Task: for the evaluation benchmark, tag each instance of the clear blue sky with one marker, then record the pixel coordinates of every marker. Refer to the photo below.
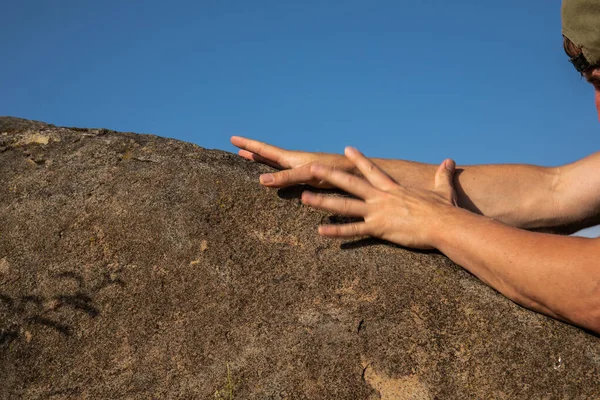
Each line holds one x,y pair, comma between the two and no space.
479,81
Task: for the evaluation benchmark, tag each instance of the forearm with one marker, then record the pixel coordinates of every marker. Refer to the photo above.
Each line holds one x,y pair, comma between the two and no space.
518,195
555,275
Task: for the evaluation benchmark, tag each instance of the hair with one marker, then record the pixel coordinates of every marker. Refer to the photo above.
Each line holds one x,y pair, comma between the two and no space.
571,48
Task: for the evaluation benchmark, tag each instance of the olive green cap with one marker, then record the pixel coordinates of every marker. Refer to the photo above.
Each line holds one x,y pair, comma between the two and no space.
581,25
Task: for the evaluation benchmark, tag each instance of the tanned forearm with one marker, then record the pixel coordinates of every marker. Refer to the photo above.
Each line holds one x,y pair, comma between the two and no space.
519,195
555,275
523,196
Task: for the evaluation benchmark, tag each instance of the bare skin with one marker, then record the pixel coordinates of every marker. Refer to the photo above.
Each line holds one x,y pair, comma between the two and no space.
471,214
593,77
523,196
555,275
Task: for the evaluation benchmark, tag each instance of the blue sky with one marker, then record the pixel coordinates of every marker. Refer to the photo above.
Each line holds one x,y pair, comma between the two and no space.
479,81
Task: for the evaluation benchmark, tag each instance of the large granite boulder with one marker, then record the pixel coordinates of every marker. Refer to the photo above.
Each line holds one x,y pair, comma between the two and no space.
133,266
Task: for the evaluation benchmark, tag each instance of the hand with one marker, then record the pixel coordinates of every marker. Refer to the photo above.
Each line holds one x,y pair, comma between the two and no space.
408,217
295,165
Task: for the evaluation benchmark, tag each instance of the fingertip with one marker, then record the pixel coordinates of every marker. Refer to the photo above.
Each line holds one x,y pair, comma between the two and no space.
449,164
238,141
267,179
350,150
245,154
306,196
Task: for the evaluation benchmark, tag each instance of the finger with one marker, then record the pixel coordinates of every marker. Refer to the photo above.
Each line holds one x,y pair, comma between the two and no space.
342,180
288,177
372,172
344,230
338,205
444,179
264,150
248,155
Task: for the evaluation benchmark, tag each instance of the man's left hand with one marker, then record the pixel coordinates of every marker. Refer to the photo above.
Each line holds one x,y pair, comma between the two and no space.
405,216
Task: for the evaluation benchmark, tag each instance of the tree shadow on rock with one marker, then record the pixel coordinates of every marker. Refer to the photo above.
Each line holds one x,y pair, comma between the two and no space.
22,312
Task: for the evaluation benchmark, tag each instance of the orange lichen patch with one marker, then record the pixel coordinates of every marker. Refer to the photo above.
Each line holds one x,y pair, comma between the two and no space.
348,287
350,292
52,305
203,248
4,266
35,138
276,238
403,388
127,155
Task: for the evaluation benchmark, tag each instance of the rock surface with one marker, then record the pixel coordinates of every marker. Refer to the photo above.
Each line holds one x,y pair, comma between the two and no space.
133,266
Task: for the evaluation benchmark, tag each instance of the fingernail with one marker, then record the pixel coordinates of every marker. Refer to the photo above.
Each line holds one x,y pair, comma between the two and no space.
449,165
266,178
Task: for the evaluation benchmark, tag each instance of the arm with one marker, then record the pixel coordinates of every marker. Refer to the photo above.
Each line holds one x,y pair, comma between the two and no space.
555,275
519,195
578,192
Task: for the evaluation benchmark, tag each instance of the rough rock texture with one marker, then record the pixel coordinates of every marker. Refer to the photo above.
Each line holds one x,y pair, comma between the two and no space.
133,266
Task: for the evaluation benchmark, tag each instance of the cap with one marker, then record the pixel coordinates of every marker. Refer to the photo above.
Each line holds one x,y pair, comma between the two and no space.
581,25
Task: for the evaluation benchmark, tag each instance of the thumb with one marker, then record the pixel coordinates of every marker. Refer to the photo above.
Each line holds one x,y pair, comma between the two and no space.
444,180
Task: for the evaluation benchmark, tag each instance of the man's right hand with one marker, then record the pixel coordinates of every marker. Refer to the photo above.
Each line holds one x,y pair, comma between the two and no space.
294,166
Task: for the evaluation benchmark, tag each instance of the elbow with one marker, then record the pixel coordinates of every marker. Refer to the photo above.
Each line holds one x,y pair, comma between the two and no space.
593,321
587,317
590,311
541,207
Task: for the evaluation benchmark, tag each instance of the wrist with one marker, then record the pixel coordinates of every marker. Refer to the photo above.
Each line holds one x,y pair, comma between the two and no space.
342,163
446,226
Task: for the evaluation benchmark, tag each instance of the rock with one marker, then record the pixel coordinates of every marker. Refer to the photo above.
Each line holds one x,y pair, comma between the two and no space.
139,267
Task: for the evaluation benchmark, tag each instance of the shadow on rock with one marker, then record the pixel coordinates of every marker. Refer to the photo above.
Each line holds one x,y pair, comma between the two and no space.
295,192
21,312
367,242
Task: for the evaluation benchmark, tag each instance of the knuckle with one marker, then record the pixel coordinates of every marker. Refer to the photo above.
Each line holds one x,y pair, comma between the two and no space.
349,180
305,172
387,196
345,206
